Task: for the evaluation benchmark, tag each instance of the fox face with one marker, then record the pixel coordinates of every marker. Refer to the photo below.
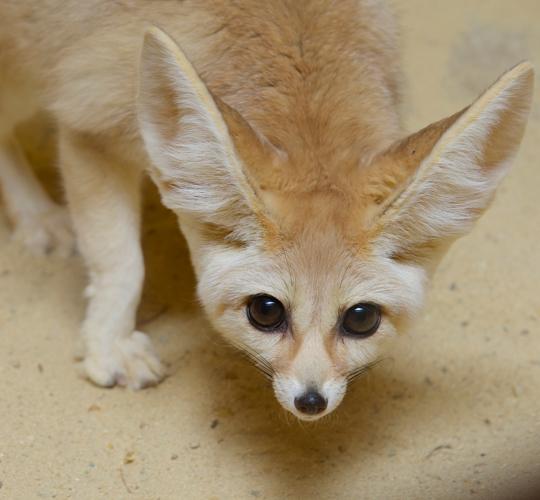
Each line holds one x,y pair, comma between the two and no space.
314,281
312,315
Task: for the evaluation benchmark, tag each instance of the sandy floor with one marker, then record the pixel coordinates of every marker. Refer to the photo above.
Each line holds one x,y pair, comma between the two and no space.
455,414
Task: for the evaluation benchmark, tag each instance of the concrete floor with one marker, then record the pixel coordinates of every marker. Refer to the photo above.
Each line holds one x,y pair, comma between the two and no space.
455,414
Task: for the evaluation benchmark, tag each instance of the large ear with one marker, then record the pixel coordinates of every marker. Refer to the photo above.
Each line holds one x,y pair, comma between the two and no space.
194,161
437,182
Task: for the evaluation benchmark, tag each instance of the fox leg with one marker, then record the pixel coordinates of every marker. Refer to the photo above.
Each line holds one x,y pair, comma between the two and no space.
38,222
104,200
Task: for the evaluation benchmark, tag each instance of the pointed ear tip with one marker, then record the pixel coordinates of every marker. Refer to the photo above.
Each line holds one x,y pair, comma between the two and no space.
517,82
151,34
524,66
523,72
155,37
522,78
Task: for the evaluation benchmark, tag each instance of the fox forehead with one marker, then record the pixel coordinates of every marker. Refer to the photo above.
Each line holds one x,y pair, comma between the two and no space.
344,202
303,215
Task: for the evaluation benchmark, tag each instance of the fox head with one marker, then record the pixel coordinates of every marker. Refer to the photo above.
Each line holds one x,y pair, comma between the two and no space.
313,284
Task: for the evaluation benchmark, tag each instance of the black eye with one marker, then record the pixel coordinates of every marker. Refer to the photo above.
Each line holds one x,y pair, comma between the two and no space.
362,320
265,312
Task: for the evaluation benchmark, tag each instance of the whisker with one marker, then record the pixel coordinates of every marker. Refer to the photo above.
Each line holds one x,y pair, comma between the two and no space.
354,374
260,363
261,367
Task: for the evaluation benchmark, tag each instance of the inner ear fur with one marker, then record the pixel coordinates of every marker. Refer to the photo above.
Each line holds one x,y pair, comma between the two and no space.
430,187
197,144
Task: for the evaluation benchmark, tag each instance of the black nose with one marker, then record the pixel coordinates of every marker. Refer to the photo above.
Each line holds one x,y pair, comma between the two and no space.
310,403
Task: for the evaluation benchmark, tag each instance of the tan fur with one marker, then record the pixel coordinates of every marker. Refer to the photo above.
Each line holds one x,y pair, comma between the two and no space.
274,134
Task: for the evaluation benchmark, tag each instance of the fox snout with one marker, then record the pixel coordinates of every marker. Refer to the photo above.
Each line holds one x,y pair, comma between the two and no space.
309,400
308,384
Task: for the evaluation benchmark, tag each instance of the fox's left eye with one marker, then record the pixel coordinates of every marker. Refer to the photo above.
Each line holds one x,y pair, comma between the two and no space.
265,312
361,320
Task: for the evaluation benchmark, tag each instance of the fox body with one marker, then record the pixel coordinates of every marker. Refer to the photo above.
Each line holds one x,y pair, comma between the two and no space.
272,130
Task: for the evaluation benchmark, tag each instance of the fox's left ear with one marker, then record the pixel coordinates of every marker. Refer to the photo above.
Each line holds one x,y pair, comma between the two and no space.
433,185
192,139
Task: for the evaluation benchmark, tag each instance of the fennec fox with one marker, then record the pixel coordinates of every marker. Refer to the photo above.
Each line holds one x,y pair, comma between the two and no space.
272,130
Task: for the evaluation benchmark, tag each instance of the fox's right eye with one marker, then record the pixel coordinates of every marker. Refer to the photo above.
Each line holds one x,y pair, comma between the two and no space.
266,313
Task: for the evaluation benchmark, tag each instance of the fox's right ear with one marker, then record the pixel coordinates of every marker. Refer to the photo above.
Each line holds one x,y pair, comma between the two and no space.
188,135
430,187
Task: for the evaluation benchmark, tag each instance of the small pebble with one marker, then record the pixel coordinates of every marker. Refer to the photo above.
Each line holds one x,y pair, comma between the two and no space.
129,457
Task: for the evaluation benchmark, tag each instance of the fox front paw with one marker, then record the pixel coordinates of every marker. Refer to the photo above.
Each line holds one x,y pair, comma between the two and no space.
46,232
129,362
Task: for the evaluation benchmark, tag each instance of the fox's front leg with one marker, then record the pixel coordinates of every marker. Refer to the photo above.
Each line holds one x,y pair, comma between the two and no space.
104,200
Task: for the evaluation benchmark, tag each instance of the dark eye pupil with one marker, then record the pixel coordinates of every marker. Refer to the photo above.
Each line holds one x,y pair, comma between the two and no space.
265,312
362,320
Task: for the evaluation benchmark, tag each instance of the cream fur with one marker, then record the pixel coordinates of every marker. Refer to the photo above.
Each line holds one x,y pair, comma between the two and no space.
274,135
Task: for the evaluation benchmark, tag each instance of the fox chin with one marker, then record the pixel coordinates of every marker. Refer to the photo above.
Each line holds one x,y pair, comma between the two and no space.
272,130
